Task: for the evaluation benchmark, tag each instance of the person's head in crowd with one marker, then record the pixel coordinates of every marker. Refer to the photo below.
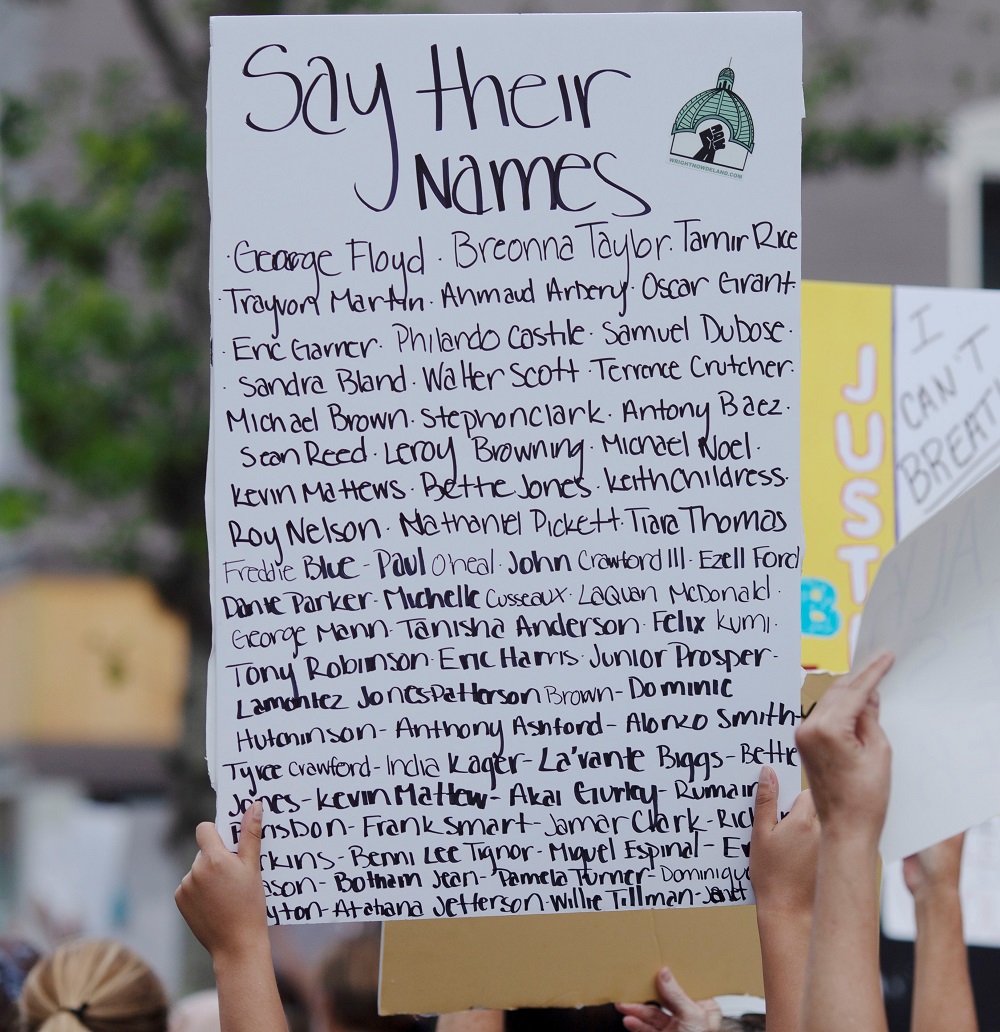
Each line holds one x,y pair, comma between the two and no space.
197,1012
294,1003
744,1023
348,980
97,985
17,958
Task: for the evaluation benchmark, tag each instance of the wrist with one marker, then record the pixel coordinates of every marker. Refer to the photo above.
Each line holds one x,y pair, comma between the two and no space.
252,947
937,897
783,913
783,928
845,834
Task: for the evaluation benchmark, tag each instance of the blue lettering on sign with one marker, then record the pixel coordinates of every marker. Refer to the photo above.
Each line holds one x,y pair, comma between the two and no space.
820,618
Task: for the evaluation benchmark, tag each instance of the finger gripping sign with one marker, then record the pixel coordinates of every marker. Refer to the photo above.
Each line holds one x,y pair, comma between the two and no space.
504,490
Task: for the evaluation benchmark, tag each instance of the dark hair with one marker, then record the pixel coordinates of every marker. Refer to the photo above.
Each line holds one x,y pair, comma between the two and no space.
349,979
17,958
745,1023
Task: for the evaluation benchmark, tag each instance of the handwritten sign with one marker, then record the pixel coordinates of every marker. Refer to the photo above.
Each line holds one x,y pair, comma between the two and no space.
901,413
848,487
505,455
947,405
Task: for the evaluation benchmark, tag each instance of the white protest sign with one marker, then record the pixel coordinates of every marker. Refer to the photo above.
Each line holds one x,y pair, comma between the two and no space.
935,605
947,396
947,420
505,431
978,888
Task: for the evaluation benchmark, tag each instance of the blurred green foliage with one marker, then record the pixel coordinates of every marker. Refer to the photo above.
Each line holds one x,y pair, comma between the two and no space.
104,369
21,127
110,368
869,145
110,324
110,316
834,69
111,341
19,507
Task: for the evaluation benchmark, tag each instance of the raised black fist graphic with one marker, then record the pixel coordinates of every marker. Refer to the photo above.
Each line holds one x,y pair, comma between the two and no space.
712,140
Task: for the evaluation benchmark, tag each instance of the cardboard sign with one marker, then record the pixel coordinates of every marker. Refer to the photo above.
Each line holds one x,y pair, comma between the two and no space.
566,960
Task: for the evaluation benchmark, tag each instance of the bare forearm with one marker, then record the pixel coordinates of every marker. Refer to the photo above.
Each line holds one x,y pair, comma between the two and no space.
843,985
784,947
248,991
942,990
471,1021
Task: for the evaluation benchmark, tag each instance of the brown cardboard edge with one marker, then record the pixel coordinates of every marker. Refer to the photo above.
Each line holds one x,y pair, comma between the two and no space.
565,960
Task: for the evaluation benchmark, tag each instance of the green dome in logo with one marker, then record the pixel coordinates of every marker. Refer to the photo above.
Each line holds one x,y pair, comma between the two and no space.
721,104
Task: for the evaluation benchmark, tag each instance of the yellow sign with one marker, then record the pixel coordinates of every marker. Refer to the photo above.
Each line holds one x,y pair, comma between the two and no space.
90,660
848,497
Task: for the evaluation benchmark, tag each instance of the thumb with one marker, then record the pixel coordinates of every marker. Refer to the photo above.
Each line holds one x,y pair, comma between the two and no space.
207,837
677,1001
765,806
711,1015
248,849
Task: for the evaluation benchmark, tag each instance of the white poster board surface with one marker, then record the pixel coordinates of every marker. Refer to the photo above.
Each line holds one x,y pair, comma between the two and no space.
947,430
947,396
935,605
506,531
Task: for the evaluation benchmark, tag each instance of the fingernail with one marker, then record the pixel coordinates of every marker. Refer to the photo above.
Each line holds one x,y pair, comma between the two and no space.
257,810
767,777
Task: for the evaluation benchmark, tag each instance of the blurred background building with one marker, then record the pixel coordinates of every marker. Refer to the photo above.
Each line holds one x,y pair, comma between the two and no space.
103,264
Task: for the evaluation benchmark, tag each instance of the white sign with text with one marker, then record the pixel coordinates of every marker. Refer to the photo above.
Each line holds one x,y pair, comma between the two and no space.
506,529
947,396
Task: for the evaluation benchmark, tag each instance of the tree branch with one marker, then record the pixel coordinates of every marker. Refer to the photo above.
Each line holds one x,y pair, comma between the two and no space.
184,75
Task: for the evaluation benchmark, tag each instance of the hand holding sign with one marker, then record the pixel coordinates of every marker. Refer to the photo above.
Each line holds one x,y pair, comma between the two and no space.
222,896
506,546
783,874
846,754
679,1012
222,900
